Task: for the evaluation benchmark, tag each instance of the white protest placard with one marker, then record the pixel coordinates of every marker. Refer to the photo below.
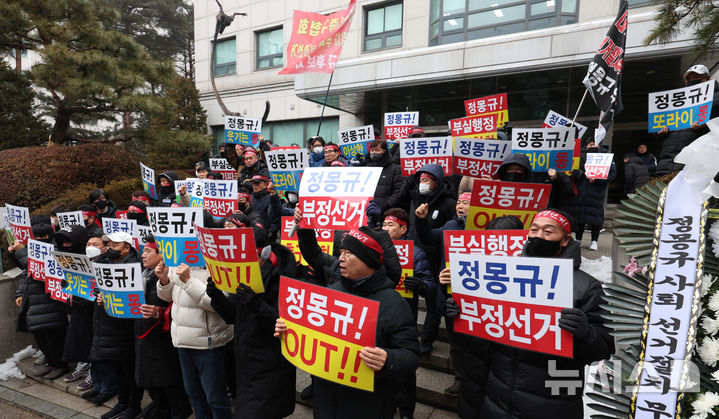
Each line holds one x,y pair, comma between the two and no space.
219,197
19,220
194,189
66,219
174,233
597,165
224,168
37,255
546,148
418,152
148,180
286,165
479,157
554,119
113,225
516,301
242,130
397,125
355,141
337,197
122,288
681,108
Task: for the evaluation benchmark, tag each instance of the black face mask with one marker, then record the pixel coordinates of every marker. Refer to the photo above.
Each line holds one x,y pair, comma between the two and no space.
166,189
537,246
513,177
694,82
113,254
593,150
47,240
101,204
67,249
242,207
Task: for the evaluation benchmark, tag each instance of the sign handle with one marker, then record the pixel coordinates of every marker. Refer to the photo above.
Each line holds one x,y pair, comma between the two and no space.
322,115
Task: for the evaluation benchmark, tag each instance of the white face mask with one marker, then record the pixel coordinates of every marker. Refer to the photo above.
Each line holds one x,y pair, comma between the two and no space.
92,251
424,188
317,150
292,198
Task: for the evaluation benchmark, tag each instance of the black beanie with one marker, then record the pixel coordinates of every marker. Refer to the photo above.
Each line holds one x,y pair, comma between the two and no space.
363,244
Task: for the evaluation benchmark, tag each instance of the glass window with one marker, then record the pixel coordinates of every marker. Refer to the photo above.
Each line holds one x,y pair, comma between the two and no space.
482,19
225,57
383,26
269,48
286,133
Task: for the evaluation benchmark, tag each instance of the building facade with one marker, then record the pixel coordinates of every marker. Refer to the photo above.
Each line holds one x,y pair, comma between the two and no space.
430,56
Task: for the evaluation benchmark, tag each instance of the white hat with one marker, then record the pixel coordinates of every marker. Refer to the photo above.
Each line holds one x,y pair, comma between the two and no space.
698,69
118,237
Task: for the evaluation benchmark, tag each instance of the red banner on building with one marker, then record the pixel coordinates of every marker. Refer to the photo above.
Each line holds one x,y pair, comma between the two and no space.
317,40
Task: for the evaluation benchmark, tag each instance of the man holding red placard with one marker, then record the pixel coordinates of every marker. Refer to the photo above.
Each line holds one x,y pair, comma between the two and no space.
396,350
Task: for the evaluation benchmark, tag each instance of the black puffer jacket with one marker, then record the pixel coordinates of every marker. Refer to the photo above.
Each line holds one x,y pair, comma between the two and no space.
675,141
636,175
156,362
515,378
110,213
591,197
38,311
442,208
166,194
269,211
265,379
113,338
247,172
389,188
396,334
327,267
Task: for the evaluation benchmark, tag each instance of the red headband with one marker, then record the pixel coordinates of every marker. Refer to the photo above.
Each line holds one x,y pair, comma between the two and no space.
90,213
427,175
250,151
243,195
395,219
136,209
236,222
466,195
559,218
151,245
332,147
142,198
367,241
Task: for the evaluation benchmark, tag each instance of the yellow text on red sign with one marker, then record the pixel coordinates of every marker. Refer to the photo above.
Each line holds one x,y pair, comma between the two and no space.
227,276
478,217
326,357
400,288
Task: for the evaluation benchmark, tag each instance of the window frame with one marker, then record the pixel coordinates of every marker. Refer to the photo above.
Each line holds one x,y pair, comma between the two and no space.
269,57
233,64
463,33
385,34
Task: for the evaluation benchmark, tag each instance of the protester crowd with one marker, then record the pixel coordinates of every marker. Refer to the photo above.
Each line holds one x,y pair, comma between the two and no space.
197,348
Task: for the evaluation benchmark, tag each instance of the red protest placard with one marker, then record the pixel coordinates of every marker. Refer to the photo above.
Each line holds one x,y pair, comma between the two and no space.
477,126
487,104
231,257
491,199
405,252
317,40
484,242
326,330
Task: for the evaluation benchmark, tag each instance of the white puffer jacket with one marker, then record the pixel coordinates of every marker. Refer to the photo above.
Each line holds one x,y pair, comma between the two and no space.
195,325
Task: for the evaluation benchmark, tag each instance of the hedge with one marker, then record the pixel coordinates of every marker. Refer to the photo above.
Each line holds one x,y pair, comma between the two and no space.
35,176
119,191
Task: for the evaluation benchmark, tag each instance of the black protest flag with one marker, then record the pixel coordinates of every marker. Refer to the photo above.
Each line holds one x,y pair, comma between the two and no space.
604,76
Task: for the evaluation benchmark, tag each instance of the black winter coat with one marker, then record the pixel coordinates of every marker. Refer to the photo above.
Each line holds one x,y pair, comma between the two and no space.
113,338
675,141
78,338
591,198
636,175
389,188
268,209
265,379
156,362
505,382
110,213
396,334
245,177
442,208
327,267
38,311
166,195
